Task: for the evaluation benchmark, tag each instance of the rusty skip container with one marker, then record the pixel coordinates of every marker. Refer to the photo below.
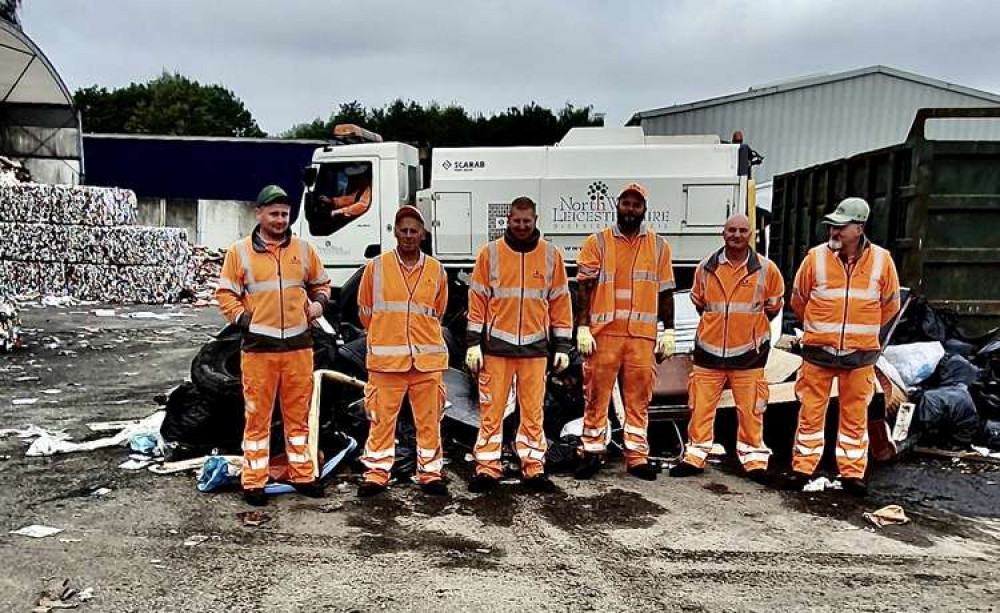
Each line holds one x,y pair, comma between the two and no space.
935,203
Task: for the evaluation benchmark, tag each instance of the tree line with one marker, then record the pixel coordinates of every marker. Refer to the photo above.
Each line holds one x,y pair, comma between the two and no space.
173,104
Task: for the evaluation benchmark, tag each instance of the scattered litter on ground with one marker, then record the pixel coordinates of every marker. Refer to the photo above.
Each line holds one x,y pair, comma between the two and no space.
104,312
195,540
32,432
820,484
52,391
101,492
253,518
36,531
892,514
46,445
66,540
18,402
134,464
60,595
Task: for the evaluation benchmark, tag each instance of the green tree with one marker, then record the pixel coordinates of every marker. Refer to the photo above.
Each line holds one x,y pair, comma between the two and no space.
434,125
9,9
169,104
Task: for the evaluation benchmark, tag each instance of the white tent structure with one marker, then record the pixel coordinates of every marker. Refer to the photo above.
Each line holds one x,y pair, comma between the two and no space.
39,124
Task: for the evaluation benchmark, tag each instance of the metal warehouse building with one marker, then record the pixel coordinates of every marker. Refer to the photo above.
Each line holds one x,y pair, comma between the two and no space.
798,123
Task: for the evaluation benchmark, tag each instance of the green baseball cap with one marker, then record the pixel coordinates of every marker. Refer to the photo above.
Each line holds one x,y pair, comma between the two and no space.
271,194
850,210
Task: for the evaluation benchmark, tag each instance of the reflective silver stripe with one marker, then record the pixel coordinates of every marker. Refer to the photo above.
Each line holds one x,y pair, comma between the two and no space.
527,441
635,431
224,283
422,349
876,273
271,286
754,457
735,350
277,332
479,289
803,450
857,442
825,293
431,467
819,258
298,458
485,456
378,455
258,464
625,314
384,465
377,283
527,452
258,445
587,271
550,258
813,436
645,276
496,439
593,446
594,432
838,352
426,453
494,265
562,332
516,292
599,318
734,307
851,454
475,326
625,294
665,285
298,440
605,277
555,292
527,339
824,327
241,247
701,454
406,307
744,448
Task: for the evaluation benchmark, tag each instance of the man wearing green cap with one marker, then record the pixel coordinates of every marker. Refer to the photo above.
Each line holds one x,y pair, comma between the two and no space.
273,286
844,292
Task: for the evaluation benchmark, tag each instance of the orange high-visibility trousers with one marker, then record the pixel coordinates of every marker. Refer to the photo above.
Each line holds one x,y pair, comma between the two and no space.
266,375
855,390
633,357
495,380
384,395
750,393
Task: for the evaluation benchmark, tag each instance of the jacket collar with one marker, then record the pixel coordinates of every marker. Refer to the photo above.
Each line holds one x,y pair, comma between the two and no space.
617,232
258,242
524,246
753,261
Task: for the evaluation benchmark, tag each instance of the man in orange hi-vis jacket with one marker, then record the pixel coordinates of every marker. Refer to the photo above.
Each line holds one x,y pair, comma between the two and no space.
519,310
844,292
736,292
626,287
273,286
402,299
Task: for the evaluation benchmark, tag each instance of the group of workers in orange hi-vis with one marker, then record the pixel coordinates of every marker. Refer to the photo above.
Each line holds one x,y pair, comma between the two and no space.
521,326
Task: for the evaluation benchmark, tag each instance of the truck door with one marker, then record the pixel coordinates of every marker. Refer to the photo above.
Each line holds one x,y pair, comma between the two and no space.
452,223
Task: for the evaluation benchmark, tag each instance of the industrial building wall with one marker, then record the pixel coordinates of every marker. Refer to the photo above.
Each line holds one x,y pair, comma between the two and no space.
797,128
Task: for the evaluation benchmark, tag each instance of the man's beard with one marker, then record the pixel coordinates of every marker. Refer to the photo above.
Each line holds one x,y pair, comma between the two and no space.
630,223
835,244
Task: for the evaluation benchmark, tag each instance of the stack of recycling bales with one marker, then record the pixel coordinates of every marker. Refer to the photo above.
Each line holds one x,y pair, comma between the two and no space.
82,241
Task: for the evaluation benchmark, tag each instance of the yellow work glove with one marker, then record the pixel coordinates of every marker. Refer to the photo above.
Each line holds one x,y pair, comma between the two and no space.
560,362
665,344
585,342
474,359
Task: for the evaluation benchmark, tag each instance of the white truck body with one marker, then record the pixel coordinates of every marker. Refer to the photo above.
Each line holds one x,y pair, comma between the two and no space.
694,184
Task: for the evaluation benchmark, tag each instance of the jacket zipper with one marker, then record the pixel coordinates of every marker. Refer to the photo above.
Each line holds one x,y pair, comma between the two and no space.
729,297
520,304
281,295
848,271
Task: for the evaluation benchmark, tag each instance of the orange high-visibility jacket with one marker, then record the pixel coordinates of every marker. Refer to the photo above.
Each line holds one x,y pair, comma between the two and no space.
264,289
843,306
651,273
354,204
404,323
734,332
516,297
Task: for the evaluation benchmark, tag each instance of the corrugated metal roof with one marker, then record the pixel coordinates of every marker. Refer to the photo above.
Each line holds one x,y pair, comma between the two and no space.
818,119
812,81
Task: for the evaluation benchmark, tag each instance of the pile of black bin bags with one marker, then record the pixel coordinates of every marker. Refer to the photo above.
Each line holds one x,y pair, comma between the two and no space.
959,405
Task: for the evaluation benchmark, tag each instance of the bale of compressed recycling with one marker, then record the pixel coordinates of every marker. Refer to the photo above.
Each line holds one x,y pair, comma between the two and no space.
110,283
66,204
45,278
123,245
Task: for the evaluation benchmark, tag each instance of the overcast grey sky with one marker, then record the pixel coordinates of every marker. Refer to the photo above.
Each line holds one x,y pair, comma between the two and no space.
294,60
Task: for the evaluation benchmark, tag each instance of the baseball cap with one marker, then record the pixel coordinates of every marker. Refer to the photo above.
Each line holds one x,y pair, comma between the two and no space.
271,194
850,210
638,188
409,211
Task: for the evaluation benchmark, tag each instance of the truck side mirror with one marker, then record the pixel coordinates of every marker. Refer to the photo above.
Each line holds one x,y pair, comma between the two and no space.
309,176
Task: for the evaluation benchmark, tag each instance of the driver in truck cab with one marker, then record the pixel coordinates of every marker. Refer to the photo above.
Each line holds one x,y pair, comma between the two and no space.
356,196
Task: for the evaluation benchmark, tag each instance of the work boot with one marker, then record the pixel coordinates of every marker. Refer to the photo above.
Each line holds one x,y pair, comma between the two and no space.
645,471
589,465
255,497
540,484
683,469
758,475
312,489
854,486
367,489
436,487
794,481
481,484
